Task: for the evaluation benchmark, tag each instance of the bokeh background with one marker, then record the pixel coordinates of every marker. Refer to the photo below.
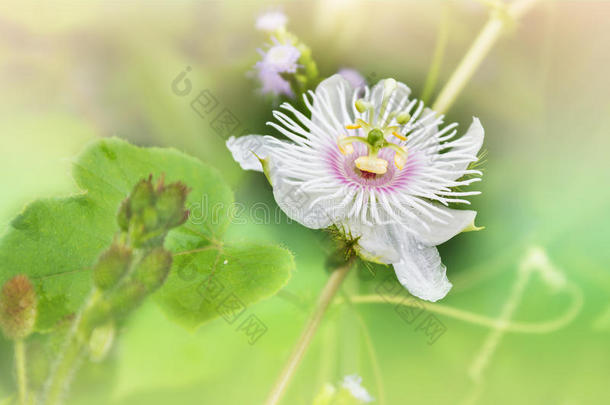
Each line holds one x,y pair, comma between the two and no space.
72,72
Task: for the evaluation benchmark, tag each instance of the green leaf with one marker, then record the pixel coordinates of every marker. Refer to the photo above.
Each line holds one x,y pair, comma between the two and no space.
56,241
222,280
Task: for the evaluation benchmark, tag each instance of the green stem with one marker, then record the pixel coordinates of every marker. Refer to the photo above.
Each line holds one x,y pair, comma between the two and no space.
439,51
371,350
326,296
488,36
22,381
69,358
63,373
546,326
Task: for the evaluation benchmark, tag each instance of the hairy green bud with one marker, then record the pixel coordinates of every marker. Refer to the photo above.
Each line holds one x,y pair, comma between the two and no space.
151,211
124,215
150,218
142,196
111,266
117,304
153,269
18,307
127,298
170,204
101,340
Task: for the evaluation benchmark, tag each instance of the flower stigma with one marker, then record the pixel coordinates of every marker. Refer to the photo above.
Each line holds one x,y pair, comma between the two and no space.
377,131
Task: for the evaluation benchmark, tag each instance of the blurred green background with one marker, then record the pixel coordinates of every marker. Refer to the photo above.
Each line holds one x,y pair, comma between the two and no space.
71,72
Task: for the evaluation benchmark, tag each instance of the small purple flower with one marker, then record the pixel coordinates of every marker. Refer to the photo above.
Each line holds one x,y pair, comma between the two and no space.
281,58
278,59
353,77
273,83
271,21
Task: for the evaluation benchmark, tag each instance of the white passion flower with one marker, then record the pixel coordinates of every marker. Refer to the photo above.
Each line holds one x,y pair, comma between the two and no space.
271,21
377,167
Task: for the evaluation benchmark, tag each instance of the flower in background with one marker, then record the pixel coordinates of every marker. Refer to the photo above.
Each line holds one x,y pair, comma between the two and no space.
350,392
274,84
353,383
278,59
378,168
271,21
353,77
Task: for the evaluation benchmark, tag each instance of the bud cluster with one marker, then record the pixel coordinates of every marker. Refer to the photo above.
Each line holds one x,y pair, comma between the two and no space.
147,274
136,264
152,210
18,307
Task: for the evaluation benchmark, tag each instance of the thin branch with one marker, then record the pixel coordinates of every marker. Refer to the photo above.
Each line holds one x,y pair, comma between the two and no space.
327,295
495,26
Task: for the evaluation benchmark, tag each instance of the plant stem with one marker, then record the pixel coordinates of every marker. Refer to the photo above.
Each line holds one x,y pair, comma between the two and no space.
489,322
63,374
68,359
370,348
488,36
22,379
326,296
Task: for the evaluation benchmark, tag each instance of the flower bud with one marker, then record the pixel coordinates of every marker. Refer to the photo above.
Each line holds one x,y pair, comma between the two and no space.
18,307
142,196
124,215
153,269
170,204
150,218
111,266
126,299
101,340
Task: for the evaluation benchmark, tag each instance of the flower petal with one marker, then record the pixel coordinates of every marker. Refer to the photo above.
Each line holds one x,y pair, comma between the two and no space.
463,150
375,243
331,107
420,270
418,267
247,150
438,232
399,96
299,203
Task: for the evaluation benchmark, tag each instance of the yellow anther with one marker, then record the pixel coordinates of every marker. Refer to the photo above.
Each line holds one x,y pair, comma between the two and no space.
357,126
397,135
400,159
372,164
346,149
